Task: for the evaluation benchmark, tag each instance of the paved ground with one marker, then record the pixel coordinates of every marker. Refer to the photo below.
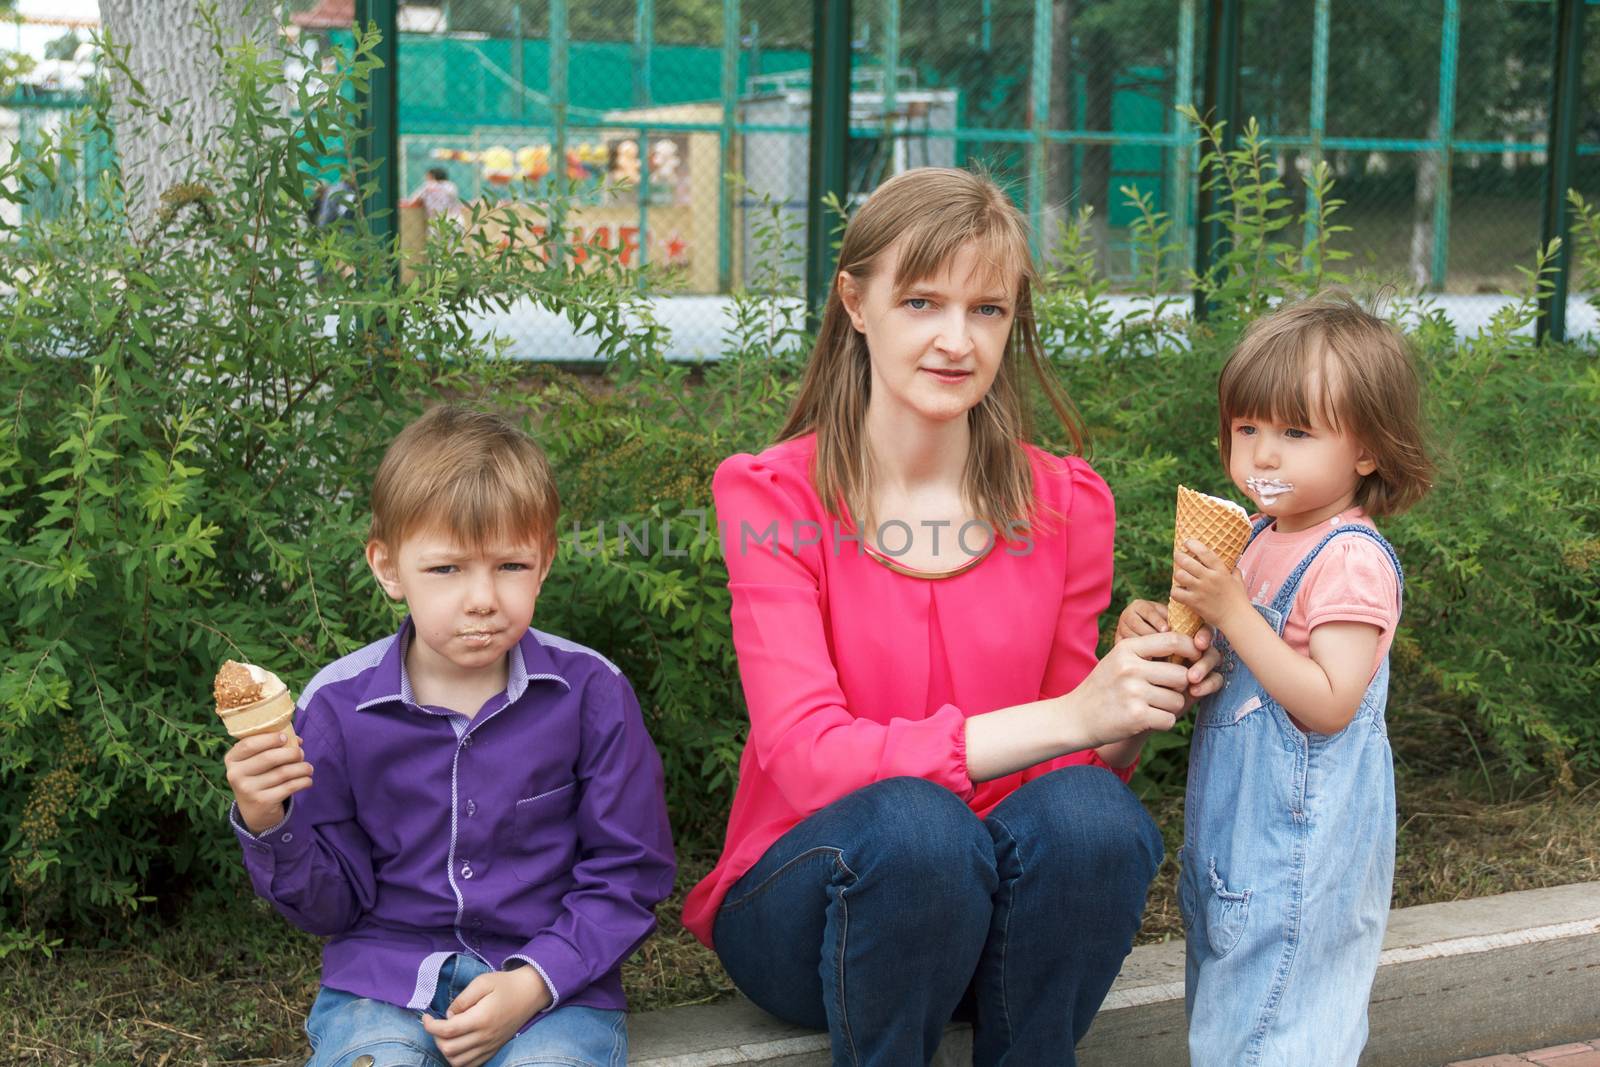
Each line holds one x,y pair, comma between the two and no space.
1581,1054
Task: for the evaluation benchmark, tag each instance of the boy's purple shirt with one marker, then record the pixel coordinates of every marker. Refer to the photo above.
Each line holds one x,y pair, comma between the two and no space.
534,833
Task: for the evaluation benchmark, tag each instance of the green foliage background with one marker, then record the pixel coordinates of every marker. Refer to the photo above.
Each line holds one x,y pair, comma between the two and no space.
192,408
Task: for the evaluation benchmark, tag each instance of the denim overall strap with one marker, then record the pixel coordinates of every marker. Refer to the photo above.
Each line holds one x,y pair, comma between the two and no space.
1284,600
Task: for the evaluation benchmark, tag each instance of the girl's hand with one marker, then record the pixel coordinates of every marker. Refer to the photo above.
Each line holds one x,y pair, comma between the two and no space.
1204,678
1202,583
487,1014
1134,689
1141,617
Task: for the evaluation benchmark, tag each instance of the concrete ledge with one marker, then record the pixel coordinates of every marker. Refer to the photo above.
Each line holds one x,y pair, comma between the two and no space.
1468,978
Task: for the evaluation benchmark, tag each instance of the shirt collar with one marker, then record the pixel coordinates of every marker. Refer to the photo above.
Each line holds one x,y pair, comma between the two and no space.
389,683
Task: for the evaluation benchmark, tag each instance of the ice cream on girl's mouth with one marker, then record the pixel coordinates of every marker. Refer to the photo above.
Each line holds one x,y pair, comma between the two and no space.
1267,490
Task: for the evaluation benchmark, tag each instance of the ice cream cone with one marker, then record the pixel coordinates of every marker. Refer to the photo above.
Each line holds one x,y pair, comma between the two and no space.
252,700
1220,525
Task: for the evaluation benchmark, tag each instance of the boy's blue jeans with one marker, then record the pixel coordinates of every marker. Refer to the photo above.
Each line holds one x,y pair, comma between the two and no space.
351,1031
883,913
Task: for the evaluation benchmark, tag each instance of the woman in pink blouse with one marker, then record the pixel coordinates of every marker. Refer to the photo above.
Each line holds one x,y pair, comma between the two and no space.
932,817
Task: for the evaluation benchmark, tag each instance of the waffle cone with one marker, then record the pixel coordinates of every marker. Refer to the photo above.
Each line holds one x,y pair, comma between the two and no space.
270,714
1219,525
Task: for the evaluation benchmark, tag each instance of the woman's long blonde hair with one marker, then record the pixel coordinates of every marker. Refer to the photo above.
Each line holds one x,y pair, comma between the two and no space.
932,213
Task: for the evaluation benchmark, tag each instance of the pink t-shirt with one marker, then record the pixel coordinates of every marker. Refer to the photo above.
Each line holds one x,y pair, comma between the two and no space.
854,673
1352,580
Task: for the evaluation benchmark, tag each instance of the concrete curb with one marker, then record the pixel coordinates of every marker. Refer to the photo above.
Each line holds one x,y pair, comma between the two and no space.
1467,978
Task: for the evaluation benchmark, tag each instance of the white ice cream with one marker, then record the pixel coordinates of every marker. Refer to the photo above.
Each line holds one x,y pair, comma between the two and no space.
270,683
1267,490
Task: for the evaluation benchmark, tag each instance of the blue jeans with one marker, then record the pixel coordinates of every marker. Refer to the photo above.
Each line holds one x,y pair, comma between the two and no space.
883,913
344,1028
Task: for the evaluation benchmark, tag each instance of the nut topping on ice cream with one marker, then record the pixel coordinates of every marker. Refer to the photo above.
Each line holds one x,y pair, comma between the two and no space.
236,686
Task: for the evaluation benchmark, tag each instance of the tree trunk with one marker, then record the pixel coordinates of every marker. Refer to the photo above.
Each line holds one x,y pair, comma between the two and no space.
171,51
1422,211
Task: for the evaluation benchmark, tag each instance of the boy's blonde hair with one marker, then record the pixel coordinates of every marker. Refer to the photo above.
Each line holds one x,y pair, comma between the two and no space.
1368,389
469,473
934,212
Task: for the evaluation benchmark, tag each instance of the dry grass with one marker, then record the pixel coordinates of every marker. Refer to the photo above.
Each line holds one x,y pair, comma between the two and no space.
231,985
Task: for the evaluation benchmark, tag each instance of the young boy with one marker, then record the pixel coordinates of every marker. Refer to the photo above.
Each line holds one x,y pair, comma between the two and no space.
476,821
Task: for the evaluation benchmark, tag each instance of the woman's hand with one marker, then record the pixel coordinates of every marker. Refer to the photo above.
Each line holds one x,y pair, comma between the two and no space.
1134,689
1142,617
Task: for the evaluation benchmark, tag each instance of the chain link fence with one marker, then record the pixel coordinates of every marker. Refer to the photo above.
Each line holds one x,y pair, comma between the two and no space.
674,121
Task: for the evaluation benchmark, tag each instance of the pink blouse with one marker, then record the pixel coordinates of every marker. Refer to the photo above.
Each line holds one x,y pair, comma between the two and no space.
854,673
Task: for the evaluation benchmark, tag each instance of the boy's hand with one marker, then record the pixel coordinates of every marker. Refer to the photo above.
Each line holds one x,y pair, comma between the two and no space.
1202,583
1141,617
487,1014
263,772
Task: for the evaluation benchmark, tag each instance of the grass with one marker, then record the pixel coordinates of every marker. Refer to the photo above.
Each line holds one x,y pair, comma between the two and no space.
230,984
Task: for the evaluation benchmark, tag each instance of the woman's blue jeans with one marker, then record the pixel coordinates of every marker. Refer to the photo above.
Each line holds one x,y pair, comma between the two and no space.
883,913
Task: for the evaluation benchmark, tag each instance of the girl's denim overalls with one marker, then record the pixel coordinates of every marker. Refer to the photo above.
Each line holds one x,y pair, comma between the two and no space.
1288,861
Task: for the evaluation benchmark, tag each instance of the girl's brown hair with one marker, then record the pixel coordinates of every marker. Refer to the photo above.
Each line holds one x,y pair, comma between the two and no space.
930,214
469,473
1368,389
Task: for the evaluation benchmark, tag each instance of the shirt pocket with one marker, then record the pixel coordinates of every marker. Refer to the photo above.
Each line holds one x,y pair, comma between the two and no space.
542,845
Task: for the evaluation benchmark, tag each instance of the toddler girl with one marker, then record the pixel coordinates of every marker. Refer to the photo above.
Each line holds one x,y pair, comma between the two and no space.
1289,819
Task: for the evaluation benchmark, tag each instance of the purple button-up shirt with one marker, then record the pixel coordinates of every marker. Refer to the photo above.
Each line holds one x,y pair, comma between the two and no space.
534,833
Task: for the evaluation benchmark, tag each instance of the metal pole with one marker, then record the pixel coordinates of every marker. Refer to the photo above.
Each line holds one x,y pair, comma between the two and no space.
1039,126
1223,25
891,54
1566,84
1450,49
516,65
730,103
558,122
644,43
1183,96
1319,109
830,134
380,144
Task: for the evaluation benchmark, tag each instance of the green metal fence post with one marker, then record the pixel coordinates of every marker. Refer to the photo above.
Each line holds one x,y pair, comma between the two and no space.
1183,143
730,103
1450,49
517,58
1566,83
559,184
1223,26
1319,108
1039,124
830,135
380,146
891,55
644,44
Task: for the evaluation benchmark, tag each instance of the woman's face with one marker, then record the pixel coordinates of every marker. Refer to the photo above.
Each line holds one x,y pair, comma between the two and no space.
936,347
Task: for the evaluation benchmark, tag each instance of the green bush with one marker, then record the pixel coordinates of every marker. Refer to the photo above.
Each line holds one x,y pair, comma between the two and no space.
193,412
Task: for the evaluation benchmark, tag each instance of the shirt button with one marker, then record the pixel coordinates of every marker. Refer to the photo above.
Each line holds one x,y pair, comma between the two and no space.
472,808
466,870
286,838
466,740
